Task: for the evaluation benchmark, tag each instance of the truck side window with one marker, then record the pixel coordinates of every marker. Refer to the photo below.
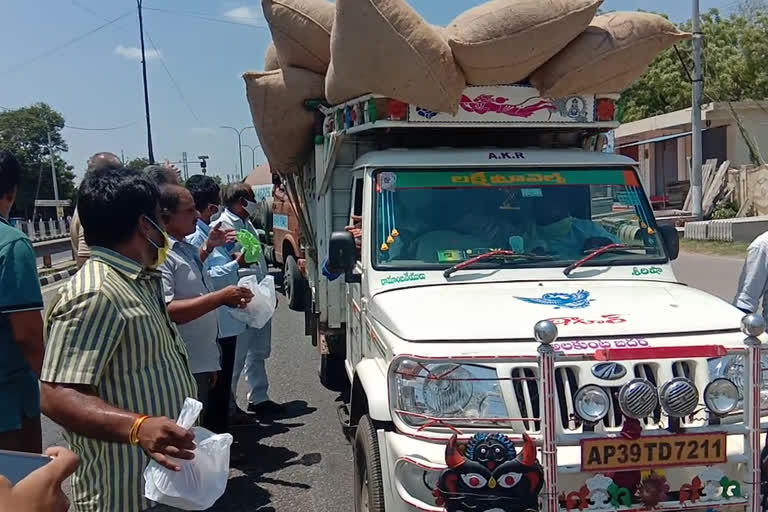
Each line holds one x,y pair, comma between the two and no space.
357,205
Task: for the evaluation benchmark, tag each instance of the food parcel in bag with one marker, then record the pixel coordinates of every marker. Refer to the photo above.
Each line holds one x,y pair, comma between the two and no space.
262,306
201,480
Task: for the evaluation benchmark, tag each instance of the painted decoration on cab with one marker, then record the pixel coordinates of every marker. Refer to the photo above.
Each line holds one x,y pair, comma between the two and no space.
615,318
490,476
577,300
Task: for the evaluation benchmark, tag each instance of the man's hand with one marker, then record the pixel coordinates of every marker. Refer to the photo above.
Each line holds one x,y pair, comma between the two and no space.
240,258
40,491
162,438
356,228
235,296
172,167
219,236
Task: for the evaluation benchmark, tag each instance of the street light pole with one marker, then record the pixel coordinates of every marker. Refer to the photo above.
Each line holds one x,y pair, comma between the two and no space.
253,154
697,86
150,153
239,145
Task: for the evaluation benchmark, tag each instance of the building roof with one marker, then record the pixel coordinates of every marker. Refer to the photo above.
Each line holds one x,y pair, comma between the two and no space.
713,114
261,175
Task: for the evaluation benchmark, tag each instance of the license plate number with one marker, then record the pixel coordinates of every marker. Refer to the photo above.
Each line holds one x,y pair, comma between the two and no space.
653,451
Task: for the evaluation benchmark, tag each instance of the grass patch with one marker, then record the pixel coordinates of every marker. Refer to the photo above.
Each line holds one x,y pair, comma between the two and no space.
714,247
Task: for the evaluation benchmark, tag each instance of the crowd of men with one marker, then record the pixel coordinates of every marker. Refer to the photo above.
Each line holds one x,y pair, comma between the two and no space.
143,324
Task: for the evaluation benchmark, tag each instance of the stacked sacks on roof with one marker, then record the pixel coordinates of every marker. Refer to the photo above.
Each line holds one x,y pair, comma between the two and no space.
355,47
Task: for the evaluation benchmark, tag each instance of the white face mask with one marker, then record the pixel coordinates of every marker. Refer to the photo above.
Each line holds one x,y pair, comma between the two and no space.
250,207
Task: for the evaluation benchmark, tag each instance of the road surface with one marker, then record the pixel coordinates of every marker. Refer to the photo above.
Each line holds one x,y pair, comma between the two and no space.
304,463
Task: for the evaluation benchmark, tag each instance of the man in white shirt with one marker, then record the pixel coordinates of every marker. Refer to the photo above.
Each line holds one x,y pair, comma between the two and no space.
254,345
753,283
189,293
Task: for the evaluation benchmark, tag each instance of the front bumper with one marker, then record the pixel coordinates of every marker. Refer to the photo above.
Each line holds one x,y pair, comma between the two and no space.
411,466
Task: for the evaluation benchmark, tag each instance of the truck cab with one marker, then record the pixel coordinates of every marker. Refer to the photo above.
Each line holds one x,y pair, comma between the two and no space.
509,324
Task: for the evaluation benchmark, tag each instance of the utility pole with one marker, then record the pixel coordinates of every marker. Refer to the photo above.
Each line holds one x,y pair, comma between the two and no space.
53,167
150,153
185,165
697,85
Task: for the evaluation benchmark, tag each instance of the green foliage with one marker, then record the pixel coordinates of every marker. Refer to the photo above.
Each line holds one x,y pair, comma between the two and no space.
734,56
726,211
24,132
137,164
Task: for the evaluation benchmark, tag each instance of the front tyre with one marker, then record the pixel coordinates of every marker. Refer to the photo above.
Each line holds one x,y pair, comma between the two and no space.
369,485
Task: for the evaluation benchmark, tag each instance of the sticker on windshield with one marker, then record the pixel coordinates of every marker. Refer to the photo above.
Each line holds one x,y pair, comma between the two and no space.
647,271
388,181
516,178
577,300
404,278
531,192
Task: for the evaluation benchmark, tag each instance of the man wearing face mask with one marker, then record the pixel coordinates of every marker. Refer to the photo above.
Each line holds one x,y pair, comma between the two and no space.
253,345
222,270
116,371
556,232
189,292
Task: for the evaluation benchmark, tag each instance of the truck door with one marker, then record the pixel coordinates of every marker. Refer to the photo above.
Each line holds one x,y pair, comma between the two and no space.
355,300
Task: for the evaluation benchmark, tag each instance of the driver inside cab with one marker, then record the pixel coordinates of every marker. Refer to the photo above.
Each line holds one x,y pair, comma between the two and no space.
556,232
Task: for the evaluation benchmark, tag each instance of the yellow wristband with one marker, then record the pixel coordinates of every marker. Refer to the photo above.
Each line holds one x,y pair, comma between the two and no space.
133,436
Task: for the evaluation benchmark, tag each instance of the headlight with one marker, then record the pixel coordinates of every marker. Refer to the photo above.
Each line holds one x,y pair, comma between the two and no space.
591,403
721,396
732,368
446,390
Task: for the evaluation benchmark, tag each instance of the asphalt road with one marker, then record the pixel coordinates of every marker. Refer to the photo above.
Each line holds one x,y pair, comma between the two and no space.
304,463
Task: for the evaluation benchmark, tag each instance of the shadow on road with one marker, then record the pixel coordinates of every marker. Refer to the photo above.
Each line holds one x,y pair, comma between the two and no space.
253,463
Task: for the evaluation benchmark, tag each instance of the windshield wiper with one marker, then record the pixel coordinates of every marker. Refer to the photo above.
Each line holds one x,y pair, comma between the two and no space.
597,252
500,254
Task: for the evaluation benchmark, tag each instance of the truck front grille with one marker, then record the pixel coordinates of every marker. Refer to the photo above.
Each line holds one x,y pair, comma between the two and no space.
526,394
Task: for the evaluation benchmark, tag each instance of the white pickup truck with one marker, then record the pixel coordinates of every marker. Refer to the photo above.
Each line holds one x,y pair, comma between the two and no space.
509,327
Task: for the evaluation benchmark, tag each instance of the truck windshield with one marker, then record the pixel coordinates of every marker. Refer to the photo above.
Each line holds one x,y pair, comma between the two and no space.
435,219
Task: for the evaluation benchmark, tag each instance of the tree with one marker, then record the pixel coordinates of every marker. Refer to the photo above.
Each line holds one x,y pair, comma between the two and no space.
735,49
25,132
137,164
733,59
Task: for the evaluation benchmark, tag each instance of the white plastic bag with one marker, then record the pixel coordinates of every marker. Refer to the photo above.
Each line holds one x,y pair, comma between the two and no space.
262,306
201,480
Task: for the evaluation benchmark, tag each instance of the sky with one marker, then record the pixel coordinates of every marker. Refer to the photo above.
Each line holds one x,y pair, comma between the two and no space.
60,52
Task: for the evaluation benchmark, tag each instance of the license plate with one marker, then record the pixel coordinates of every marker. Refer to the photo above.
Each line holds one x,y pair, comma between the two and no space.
618,454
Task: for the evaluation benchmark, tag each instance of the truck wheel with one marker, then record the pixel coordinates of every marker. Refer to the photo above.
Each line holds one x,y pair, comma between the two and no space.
369,485
294,285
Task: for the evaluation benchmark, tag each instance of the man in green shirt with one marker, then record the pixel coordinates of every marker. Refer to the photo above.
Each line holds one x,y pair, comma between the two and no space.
21,325
116,373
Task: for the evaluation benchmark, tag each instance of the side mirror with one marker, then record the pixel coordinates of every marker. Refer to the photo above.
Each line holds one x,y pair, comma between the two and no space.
342,255
671,241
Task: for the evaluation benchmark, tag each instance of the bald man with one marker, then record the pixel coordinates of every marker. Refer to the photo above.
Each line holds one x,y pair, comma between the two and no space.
80,249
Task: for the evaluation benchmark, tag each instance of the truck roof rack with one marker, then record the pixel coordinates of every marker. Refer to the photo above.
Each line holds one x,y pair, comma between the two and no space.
501,106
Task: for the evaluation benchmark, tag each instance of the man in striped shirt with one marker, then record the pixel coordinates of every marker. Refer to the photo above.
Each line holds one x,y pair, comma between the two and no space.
115,373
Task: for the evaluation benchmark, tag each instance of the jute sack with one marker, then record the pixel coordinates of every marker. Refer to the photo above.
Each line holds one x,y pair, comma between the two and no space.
504,41
614,51
282,123
301,30
384,47
271,61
